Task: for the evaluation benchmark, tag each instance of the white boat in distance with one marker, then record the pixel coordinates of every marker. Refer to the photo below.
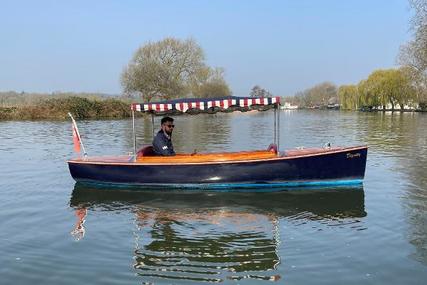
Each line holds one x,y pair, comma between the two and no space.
288,106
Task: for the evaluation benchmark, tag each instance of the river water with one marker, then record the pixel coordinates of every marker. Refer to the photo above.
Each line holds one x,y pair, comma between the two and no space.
54,231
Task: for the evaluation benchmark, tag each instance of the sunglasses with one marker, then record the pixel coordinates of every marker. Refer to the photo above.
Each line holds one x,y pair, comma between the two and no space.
170,126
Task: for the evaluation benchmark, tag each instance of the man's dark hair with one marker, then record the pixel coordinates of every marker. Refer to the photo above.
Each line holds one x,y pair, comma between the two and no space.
166,119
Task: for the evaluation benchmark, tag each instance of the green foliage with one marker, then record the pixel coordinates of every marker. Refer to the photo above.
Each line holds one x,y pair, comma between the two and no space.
383,89
6,113
81,108
380,89
348,96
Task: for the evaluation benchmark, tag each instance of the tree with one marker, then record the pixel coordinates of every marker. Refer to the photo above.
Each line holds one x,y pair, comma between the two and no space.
414,53
379,90
365,100
164,69
319,95
405,88
418,81
386,86
210,83
349,97
257,91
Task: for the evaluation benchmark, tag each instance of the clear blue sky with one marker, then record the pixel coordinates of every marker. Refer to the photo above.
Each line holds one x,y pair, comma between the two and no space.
283,46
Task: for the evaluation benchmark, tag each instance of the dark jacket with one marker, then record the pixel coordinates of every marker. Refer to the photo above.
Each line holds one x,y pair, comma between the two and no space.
162,144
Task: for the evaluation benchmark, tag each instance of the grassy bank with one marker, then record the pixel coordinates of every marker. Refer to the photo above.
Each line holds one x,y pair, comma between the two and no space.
57,108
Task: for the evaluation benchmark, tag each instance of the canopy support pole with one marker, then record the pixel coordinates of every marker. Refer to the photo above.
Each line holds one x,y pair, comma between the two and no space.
134,135
278,130
275,127
152,123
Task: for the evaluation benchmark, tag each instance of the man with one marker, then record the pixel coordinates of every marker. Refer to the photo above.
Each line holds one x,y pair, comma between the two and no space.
162,142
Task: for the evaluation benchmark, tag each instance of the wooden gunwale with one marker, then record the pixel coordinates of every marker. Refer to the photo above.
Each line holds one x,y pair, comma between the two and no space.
209,158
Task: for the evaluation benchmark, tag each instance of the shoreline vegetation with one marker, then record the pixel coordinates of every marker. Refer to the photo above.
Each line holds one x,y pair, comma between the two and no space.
31,106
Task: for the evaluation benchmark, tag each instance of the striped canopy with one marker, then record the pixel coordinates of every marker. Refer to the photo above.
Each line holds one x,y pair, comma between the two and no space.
208,105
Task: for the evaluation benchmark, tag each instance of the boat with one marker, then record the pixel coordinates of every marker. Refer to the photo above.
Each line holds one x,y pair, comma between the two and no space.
288,106
267,169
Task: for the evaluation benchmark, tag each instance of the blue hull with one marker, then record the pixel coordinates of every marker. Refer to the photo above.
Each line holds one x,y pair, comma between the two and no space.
343,167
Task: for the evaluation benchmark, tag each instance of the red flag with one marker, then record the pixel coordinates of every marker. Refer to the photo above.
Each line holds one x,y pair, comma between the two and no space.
76,140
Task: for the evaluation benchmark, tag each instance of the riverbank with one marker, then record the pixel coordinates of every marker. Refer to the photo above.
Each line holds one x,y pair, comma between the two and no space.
86,106
58,108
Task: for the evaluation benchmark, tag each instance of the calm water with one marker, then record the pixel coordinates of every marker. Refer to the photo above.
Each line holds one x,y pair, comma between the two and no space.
373,234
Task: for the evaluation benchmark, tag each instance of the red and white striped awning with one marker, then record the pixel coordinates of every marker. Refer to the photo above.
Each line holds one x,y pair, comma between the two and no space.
208,105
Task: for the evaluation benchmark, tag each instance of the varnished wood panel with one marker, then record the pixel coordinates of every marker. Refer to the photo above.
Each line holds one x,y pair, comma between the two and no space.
209,157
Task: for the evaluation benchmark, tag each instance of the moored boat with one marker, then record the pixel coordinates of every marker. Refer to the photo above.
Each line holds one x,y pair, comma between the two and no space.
268,169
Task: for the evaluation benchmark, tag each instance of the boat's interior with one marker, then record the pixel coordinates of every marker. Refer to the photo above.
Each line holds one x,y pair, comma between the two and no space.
147,155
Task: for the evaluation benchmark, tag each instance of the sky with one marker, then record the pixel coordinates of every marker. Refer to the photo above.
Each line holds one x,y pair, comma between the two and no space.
283,46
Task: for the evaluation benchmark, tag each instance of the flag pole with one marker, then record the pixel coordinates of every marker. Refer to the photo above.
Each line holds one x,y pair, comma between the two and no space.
78,134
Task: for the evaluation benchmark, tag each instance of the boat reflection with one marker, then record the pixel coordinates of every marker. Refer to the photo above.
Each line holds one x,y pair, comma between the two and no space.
338,202
212,237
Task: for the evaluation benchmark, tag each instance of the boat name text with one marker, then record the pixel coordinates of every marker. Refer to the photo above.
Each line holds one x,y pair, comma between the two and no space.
353,155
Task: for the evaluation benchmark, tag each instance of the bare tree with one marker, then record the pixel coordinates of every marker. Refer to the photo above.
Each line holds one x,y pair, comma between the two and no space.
414,53
257,91
163,69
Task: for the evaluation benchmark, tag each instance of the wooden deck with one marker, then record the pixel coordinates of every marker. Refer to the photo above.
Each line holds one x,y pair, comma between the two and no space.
209,157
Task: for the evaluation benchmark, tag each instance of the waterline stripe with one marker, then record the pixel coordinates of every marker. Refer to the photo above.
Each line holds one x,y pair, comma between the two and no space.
233,187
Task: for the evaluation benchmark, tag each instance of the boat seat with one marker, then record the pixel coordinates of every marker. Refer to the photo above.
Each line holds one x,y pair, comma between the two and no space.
147,150
272,147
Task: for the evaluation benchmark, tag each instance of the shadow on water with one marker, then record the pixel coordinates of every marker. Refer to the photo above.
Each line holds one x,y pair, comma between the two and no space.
212,237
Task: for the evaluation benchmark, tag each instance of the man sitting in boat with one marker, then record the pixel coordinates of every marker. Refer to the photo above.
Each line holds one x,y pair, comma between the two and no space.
162,142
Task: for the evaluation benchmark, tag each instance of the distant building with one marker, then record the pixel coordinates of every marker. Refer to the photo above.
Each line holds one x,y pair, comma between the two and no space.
389,107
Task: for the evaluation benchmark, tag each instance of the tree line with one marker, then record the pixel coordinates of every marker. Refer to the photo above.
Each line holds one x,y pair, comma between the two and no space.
318,96
383,89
